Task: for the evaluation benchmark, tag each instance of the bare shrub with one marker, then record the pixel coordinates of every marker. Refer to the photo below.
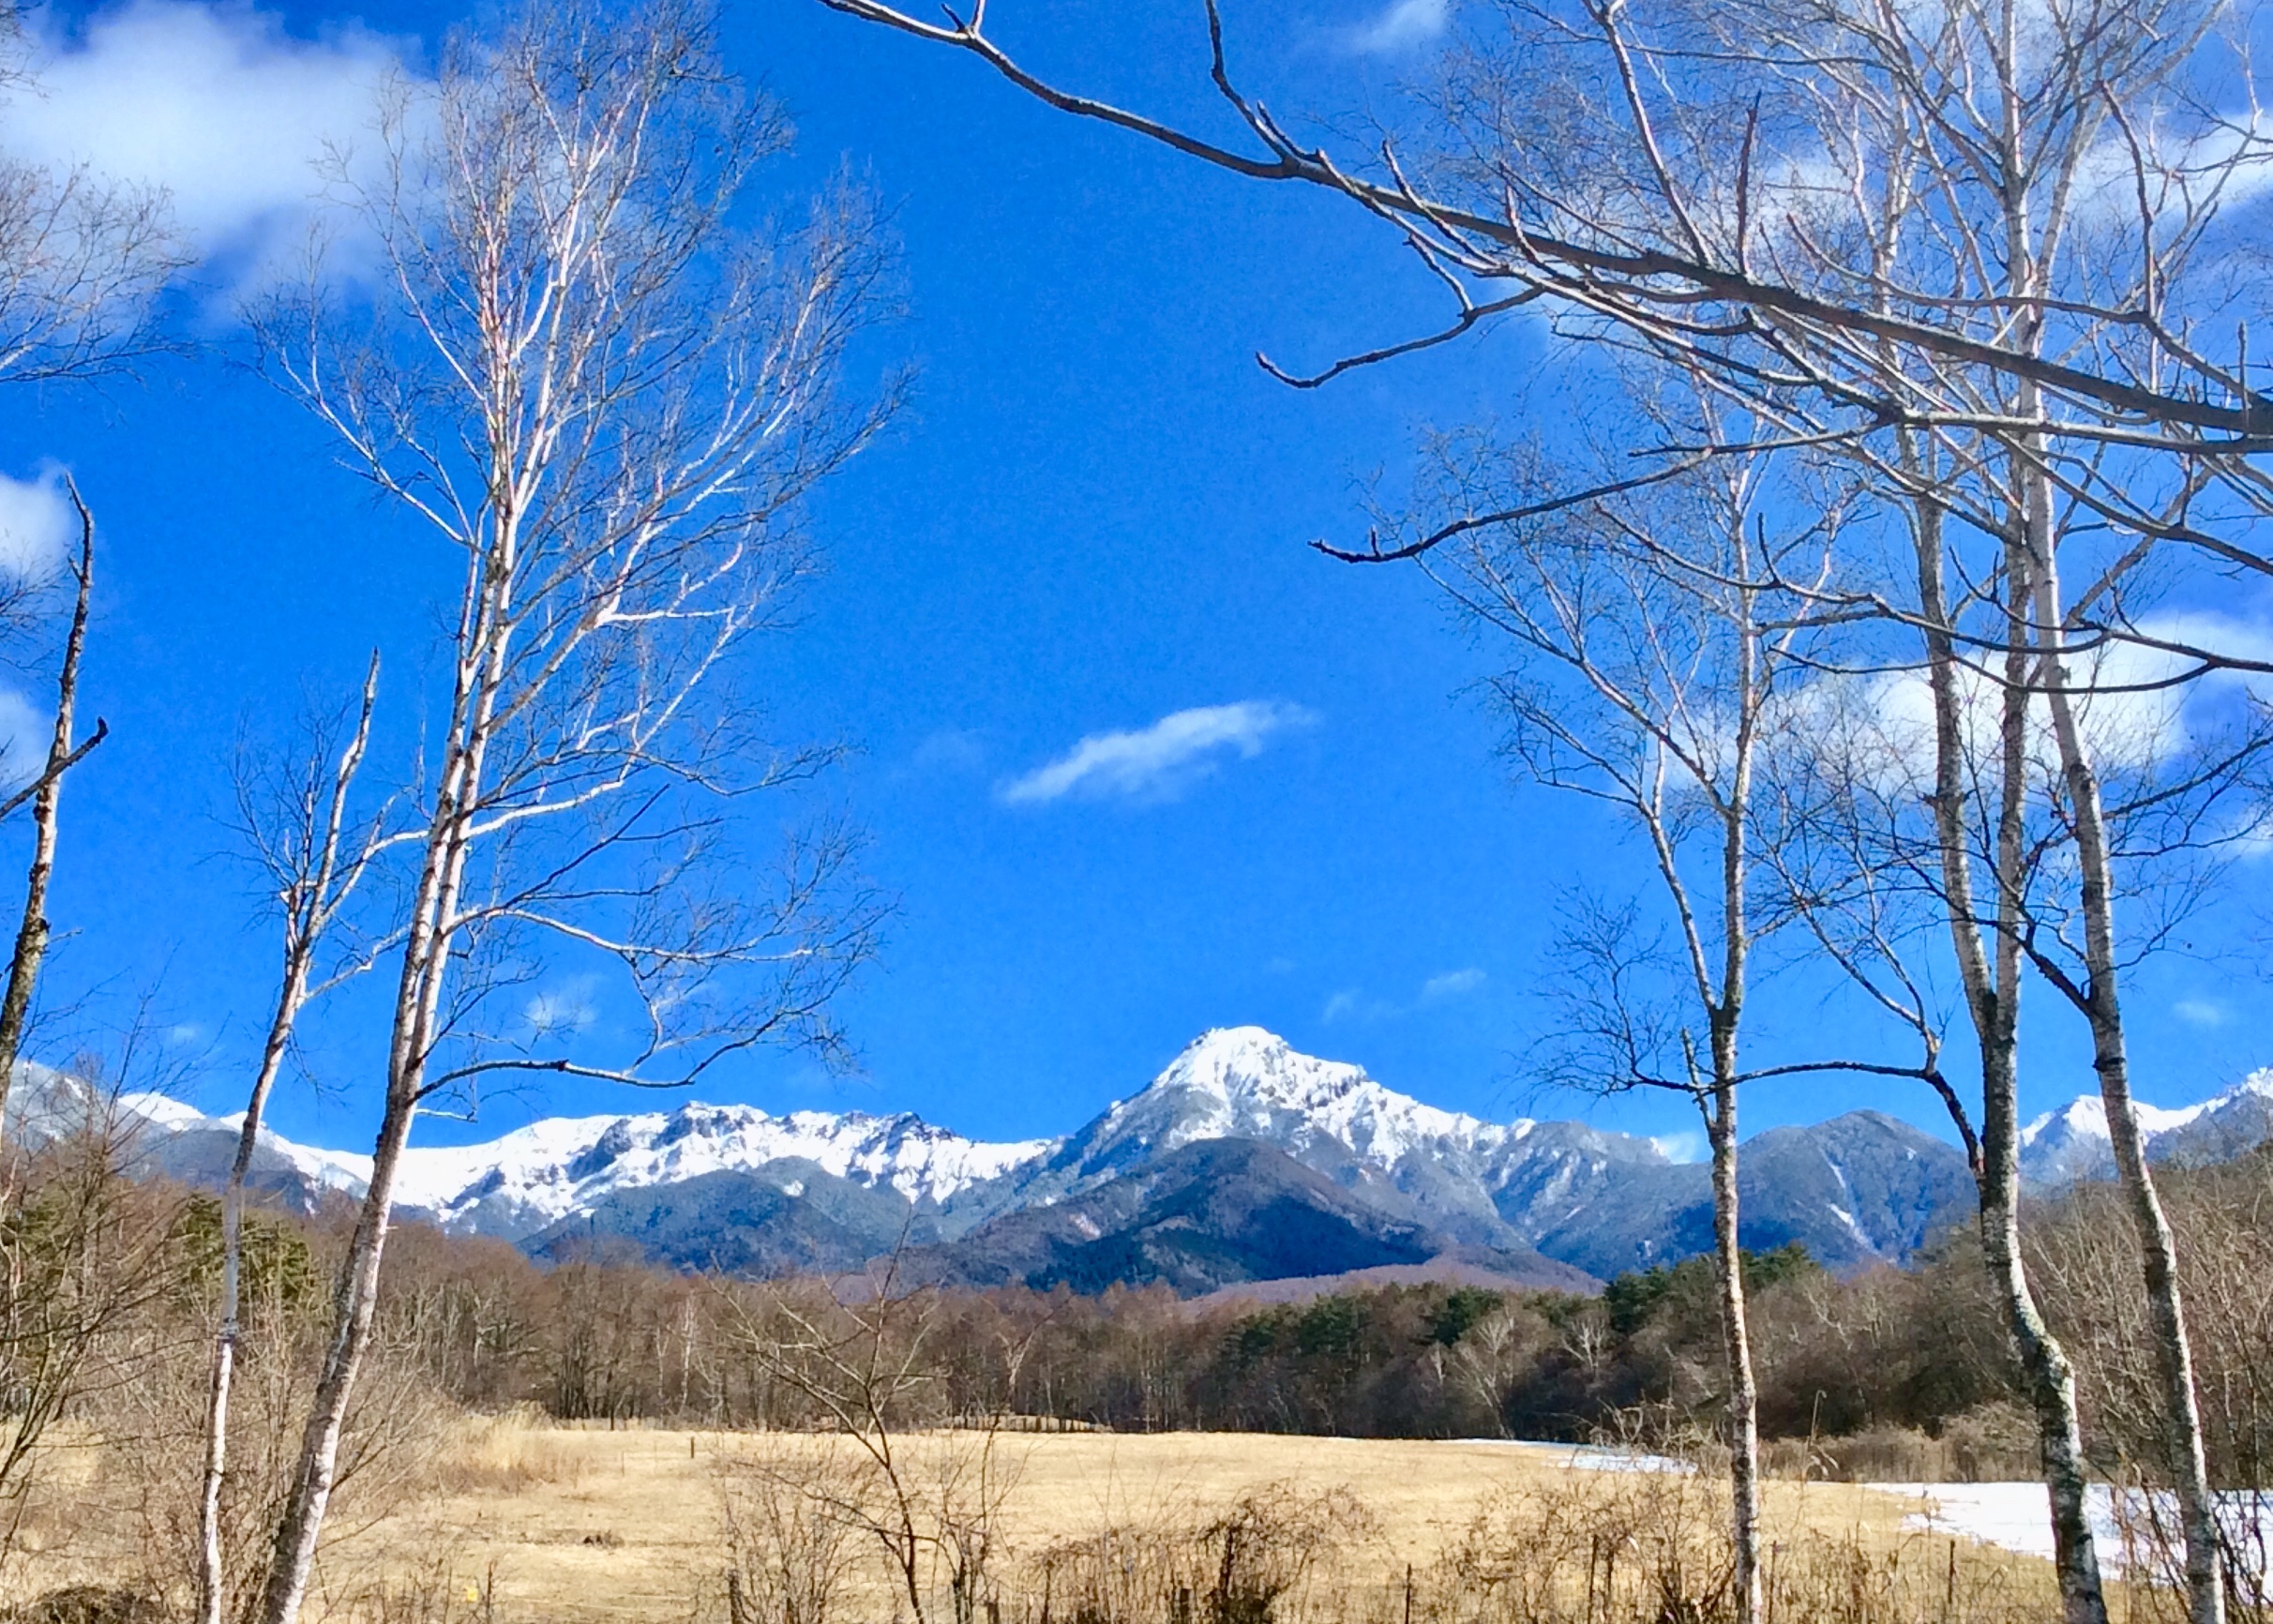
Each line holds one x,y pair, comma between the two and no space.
156,1432
84,1256
793,1545
1989,1443
1642,1543
1652,1547
1247,1562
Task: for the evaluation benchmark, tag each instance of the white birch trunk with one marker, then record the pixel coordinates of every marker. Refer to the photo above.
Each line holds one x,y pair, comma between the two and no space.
2104,1012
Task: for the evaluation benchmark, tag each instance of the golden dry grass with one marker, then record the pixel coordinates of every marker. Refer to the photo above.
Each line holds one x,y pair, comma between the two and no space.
580,1523
521,1520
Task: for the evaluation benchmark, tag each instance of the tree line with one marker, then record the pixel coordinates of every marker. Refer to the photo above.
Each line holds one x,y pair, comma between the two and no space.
1853,1372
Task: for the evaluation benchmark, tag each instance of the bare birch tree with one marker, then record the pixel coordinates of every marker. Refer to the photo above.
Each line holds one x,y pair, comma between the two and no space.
1876,889
2010,229
1652,671
607,399
313,857
45,793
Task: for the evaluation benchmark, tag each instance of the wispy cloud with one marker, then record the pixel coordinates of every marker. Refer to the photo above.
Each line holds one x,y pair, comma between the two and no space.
950,750
2199,1012
1161,761
37,525
24,737
1685,1146
1402,25
1352,1003
562,1012
1452,983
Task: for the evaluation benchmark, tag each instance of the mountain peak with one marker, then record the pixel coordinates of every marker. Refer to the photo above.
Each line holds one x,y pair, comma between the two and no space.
2073,1142
1240,1064
1248,1082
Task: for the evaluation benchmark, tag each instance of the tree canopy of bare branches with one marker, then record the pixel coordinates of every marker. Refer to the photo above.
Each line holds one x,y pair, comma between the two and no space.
603,398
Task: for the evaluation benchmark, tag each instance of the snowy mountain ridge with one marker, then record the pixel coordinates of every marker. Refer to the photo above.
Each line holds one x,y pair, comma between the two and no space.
1249,1083
812,1188
549,1169
2072,1142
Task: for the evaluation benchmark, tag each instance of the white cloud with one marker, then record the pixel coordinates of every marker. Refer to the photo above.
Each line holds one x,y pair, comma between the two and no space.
1685,1146
1352,1003
1402,25
2199,1012
951,750
1452,983
1880,725
216,104
25,730
562,1012
1158,762
37,525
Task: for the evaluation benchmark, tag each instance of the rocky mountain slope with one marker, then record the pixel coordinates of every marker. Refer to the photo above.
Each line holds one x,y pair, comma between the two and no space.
1242,1161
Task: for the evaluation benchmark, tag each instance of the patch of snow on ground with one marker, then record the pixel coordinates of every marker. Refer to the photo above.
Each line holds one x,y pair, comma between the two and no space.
2018,1517
1593,1457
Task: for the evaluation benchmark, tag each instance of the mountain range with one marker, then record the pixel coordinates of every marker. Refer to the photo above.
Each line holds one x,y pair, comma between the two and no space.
1244,1161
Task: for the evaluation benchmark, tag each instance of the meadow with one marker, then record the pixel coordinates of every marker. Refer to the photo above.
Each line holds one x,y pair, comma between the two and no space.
519,1518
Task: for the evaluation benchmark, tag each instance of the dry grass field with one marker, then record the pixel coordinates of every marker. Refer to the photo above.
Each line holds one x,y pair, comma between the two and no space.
525,1521
571,1525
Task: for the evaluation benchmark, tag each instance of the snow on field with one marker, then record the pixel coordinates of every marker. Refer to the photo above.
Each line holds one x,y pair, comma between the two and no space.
1593,1457
2018,1517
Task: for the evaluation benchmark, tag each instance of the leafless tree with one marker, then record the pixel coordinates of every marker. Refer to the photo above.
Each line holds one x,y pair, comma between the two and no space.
1654,669
868,1370
2008,229
82,257
45,794
607,400
313,858
84,1251
1875,888
1494,1355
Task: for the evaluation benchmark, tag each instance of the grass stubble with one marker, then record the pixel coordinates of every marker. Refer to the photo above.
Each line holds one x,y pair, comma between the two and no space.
518,1519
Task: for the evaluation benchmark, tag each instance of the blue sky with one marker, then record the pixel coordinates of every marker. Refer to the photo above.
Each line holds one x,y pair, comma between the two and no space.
1134,760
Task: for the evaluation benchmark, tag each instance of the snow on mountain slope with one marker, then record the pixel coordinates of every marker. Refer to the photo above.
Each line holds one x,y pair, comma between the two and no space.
2073,1143
323,1170
1481,1182
522,1180
538,1173
1588,1196
1248,1083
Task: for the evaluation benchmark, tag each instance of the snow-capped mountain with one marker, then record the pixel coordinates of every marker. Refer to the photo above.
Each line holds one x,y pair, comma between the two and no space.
1244,1082
1481,1182
2072,1142
536,1176
1295,1144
